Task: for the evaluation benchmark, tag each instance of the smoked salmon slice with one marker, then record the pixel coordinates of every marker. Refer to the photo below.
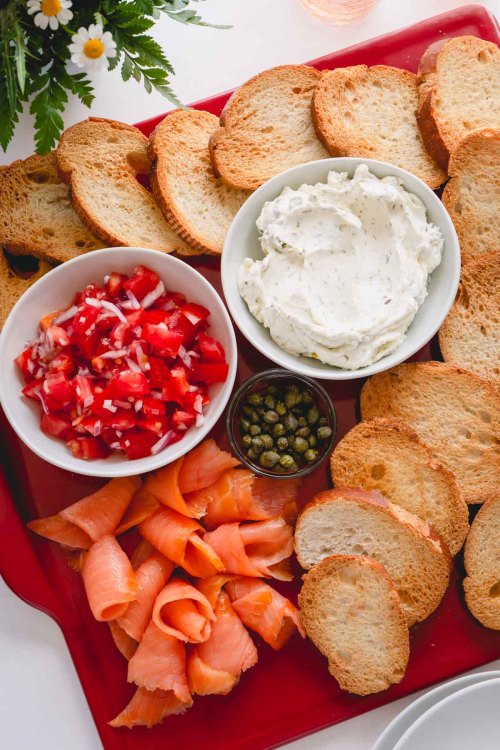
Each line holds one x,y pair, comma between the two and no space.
203,466
57,529
264,610
178,538
142,505
124,643
163,485
152,576
109,579
141,553
215,666
160,663
238,495
100,513
183,611
254,549
148,708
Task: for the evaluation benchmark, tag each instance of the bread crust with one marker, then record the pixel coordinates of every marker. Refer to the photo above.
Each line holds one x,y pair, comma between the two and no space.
12,286
482,565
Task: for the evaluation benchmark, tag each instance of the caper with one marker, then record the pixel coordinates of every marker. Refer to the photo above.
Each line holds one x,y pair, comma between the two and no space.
312,441
310,455
268,459
300,444
271,417
303,432
255,399
257,444
307,397
254,430
272,389
246,441
313,415
247,410
292,397
268,441
252,455
323,433
279,469
280,408
290,422
278,430
269,401
254,418
260,410
287,461
244,425
302,422
299,410
266,428
322,421
282,443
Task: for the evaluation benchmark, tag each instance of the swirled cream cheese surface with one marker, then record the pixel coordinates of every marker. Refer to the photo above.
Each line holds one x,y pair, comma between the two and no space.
345,268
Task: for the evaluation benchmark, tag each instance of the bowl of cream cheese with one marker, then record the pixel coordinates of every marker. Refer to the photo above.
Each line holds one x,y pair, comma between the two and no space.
341,268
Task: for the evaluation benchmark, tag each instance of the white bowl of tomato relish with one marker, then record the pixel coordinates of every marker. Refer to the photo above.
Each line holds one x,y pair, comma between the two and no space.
117,362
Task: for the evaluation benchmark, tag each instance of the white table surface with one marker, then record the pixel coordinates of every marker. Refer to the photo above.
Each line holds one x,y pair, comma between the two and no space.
42,706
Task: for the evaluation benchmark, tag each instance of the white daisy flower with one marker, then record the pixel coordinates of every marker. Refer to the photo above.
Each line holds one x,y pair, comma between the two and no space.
50,12
92,47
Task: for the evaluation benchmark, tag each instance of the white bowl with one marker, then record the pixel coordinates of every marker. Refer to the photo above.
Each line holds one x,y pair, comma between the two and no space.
242,242
465,720
55,291
404,720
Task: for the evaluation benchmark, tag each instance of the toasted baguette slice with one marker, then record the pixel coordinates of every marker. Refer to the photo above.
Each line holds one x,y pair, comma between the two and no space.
459,92
352,613
266,127
100,160
387,455
13,286
472,195
470,334
36,215
454,411
196,203
371,113
482,565
354,522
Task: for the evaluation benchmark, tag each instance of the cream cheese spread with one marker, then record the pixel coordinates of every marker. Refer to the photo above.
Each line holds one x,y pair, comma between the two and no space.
345,268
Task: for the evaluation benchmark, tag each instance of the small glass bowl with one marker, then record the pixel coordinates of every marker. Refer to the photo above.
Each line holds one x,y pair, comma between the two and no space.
259,382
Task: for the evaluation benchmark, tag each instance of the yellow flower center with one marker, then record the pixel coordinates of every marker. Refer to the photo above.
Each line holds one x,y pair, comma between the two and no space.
94,48
50,7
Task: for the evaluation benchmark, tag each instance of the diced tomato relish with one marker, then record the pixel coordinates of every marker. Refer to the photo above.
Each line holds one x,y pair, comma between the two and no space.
126,368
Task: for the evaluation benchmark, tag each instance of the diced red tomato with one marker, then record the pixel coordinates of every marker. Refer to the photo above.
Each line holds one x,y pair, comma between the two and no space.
199,398
89,447
23,362
87,345
179,322
83,390
210,373
157,425
32,390
58,426
176,386
169,301
85,318
142,282
162,338
63,362
211,350
122,419
58,388
121,333
196,314
152,407
115,283
135,317
57,335
157,372
128,383
47,320
180,417
92,290
156,316
138,443
93,423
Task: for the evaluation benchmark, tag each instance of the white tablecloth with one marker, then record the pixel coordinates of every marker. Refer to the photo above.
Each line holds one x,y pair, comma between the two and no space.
42,706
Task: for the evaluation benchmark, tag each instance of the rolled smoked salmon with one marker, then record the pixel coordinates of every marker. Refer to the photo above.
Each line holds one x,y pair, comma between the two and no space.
254,549
57,529
163,485
142,505
203,466
178,538
100,513
148,708
183,611
109,579
264,610
160,663
152,576
215,666
238,495
124,643
141,553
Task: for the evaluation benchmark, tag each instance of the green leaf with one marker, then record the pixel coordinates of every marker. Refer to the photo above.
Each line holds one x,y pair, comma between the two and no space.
127,68
8,119
78,84
46,106
178,11
20,54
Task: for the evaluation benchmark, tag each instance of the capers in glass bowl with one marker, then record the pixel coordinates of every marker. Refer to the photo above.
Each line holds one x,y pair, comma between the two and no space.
281,424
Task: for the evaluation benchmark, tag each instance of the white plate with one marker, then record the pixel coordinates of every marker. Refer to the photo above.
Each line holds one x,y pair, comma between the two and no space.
465,720
411,713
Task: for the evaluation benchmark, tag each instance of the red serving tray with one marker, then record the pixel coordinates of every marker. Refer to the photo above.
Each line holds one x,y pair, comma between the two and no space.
288,694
